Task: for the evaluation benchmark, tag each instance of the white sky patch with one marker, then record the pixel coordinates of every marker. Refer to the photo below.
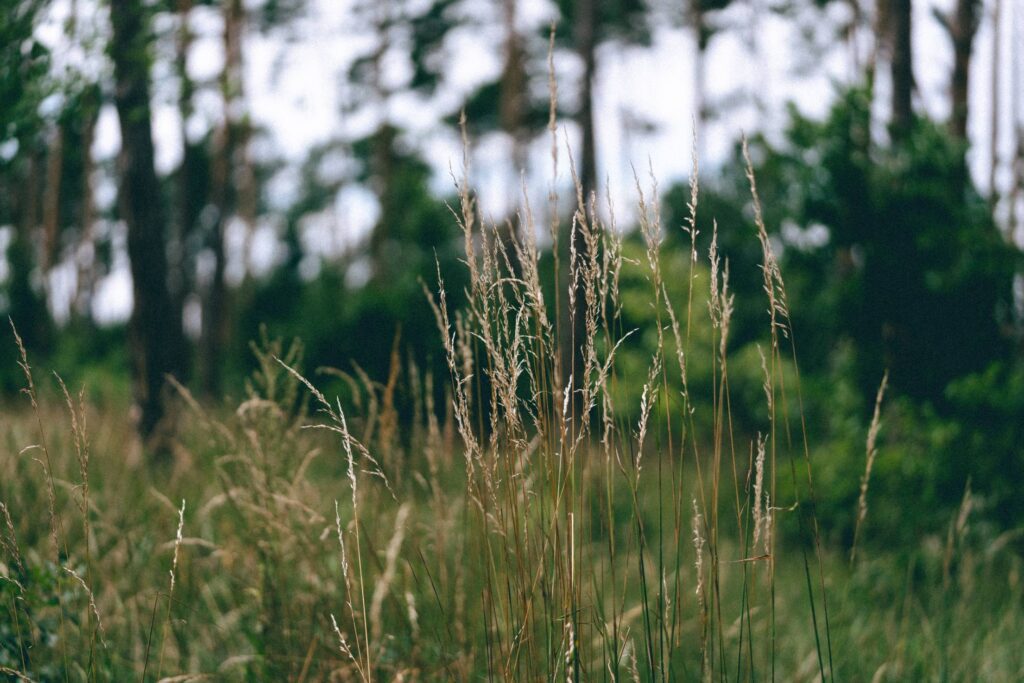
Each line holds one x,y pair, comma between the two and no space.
113,299
62,282
6,237
265,248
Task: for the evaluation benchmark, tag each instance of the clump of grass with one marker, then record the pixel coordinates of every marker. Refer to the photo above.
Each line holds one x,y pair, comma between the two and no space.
569,545
541,522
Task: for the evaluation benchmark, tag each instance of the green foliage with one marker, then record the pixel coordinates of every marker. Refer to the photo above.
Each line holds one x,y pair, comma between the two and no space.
619,20
24,62
914,270
24,84
415,31
745,371
483,109
891,260
32,596
343,322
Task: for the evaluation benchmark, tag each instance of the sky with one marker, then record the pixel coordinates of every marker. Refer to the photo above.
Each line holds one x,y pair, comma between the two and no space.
762,61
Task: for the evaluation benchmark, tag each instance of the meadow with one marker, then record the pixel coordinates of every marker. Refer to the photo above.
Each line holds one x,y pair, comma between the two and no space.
552,509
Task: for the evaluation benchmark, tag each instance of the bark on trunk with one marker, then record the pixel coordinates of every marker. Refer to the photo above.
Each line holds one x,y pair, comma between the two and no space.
902,67
962,29
51,201
383,145
184,220
1016,127
513,88
586,47
702,37
994,120
216,320
155,329
25,301
86,261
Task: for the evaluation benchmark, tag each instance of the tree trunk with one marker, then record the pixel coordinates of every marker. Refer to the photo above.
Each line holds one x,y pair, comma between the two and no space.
586,48
1016,127
962,29
513,88
216,323
85,261
702,36
51,200
155,329
902,67
512,114
994,121
185,211
384,139
852,30
26,307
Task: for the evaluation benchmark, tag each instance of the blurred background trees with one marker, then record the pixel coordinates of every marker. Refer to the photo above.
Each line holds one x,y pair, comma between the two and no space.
899,228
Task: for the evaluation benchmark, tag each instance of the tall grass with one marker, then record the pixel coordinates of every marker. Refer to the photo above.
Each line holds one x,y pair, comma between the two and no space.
542,523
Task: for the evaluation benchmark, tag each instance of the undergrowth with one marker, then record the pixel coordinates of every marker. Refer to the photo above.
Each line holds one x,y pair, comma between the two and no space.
531,520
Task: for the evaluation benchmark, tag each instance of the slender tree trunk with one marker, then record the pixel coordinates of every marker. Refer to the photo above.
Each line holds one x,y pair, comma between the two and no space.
216,321
185,212
512,116
1016,126
383,148
513,87
852,34
902,67
26,307
155,329
702,36
384,186
1017,184
86,260
51,199
586,47
993,142
962,29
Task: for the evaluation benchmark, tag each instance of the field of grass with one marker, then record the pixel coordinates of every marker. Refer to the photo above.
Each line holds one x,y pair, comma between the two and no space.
528,518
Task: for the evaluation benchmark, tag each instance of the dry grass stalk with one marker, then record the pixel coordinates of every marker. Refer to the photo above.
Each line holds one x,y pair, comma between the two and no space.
872,451
170,592
92,602
762,516
387,577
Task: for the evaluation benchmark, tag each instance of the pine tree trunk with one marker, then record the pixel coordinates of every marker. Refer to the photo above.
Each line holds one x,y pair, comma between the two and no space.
216,318
586,47
1016,181
902,67
24,300
702,37
513,88
86,267
994,120
51,199
155,330
1016,127
184,222
383,147
962,29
